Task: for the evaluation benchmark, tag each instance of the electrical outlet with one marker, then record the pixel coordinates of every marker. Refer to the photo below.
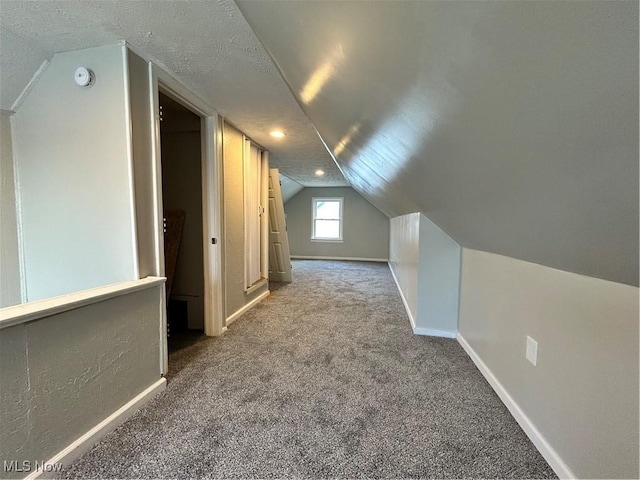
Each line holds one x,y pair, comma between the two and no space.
532,350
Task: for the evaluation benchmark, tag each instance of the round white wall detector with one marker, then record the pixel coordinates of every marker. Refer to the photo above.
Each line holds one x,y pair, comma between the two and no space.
84,77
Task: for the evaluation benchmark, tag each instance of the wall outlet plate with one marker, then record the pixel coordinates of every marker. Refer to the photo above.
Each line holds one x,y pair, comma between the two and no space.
532,350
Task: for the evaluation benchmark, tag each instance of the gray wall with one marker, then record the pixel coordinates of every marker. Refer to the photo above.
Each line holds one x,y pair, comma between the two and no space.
583,394
425,262
72,151
234,253
62,375
10,283
182,190
438,281
365,230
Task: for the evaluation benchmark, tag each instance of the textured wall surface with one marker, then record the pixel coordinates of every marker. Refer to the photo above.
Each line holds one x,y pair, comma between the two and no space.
365,230
72,159
235,296
583,393
10,283
62,375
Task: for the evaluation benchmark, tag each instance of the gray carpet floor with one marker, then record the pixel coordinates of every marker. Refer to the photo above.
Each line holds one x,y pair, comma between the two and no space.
323,379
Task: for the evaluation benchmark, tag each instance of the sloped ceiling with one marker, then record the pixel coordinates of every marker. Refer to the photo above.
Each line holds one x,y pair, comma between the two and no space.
207,45
512,125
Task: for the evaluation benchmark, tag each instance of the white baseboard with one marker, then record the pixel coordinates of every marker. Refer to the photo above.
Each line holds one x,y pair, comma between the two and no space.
546,450
432,332
351,259
242,310
93,436
404,300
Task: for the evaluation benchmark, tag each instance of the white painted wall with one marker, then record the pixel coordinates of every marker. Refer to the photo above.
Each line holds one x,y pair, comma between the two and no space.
425,262
438,281
72,149
404,254
10,283
583,394
63,374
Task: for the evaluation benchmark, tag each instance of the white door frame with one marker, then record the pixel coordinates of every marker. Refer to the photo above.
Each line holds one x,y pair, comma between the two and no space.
214,322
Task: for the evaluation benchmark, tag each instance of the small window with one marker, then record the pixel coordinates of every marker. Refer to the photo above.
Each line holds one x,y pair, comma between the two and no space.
327,219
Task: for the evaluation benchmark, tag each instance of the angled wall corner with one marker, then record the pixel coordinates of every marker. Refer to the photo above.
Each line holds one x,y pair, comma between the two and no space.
425,263
74,176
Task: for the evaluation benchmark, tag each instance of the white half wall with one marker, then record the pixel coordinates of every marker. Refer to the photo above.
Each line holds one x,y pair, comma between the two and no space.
72,152
404,254
583,394
425,262
71,363
10,280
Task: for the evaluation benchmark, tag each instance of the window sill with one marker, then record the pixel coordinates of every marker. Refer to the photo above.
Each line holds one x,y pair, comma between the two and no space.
327,240
27,312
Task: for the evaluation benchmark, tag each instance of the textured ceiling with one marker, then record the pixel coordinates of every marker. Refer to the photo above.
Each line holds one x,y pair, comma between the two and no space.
512,125
207,45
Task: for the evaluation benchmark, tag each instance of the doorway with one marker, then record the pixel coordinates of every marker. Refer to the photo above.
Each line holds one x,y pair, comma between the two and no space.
182,202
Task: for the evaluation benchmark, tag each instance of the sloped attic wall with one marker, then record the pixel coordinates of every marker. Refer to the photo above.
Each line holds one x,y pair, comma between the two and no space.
512,125
71,146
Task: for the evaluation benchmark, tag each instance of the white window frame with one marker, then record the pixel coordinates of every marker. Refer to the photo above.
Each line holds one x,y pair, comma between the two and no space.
314,201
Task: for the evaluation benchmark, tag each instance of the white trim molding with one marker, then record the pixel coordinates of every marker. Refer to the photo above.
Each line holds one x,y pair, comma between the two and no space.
82,444
28,312
546,450
347,259
432,332
404,300
242,310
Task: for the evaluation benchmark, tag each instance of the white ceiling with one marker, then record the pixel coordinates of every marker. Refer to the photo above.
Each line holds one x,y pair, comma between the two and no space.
206,45
512,125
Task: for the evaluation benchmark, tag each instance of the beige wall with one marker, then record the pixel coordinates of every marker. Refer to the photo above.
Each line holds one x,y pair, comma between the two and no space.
365,230
234,253
404,255
10,283
583,394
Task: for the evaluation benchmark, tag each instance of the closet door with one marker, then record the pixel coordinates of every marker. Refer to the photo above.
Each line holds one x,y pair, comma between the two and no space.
253,212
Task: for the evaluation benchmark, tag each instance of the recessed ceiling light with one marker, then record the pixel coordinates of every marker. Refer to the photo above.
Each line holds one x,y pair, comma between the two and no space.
319,173
277,134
